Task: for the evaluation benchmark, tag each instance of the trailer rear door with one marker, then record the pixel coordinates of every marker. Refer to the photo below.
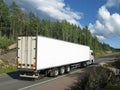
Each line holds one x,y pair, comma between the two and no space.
27,52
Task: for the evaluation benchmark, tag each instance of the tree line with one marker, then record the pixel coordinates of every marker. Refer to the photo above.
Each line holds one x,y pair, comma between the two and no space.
14,22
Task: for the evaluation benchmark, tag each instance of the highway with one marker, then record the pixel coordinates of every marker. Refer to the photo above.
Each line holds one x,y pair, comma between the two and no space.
11,81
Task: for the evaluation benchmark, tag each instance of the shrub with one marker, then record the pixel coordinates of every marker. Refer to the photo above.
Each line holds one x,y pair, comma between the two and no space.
116,64
98,78
5,42
112,87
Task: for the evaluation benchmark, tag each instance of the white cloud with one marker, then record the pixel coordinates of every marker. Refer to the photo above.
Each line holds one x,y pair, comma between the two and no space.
112,3
101,37
107,25
50,9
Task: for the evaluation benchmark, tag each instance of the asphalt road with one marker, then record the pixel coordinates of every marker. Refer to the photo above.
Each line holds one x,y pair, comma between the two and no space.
11,81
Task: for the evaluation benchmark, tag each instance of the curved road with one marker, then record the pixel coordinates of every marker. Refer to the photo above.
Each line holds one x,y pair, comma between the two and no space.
11,81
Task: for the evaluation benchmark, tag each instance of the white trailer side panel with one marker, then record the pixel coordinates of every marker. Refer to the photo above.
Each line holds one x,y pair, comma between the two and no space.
52,53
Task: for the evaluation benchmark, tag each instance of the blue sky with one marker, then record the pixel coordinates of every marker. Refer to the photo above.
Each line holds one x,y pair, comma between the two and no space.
101,16
87,7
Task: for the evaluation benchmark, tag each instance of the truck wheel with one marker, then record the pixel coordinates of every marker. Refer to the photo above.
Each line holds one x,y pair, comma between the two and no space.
54,73
67,69
62,70
92,61
84,64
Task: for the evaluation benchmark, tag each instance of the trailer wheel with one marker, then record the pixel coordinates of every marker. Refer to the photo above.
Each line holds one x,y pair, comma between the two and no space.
67,69
54,73
62,70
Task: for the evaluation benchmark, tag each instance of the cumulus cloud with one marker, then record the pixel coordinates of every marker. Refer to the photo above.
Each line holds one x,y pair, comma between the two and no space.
50,9
107,25
112,3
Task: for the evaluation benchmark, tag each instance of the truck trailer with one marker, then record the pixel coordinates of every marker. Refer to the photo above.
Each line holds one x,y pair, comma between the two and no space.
37,55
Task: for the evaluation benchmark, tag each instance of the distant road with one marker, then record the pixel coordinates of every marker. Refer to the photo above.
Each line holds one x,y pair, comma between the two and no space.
12,81
107,58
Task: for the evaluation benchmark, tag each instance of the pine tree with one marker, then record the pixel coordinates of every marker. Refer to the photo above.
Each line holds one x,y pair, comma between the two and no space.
4,19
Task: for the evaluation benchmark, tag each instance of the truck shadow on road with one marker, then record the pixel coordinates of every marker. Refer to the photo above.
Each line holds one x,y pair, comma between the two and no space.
15,75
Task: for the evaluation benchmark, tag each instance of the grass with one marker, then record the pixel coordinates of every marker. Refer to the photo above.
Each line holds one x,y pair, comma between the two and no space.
8,69
99,54
107,65
112,87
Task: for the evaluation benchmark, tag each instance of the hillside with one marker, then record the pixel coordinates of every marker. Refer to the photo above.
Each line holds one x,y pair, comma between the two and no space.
9,57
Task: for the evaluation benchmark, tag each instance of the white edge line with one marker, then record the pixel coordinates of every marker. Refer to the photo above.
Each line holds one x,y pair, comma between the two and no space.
46,81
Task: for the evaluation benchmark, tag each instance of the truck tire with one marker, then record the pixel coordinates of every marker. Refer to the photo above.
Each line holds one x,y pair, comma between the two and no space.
67,69
54,72
84,64
92,62
62,70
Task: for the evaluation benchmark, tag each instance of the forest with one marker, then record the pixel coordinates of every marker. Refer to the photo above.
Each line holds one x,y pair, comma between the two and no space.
15,22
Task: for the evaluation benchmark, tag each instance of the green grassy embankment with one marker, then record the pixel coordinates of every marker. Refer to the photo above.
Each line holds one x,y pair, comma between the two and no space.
5,67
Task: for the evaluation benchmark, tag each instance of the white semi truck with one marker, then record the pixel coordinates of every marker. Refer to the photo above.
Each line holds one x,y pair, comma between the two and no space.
39,55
